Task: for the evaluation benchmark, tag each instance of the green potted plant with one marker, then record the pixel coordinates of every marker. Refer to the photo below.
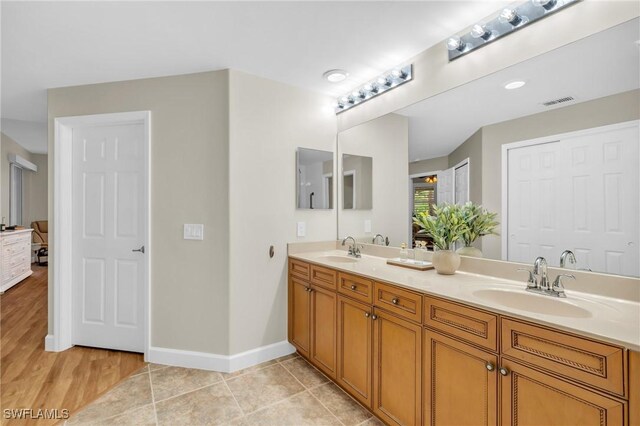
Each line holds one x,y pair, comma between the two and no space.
445,227
479,222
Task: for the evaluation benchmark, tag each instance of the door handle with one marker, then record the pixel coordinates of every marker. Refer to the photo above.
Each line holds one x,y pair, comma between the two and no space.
141,249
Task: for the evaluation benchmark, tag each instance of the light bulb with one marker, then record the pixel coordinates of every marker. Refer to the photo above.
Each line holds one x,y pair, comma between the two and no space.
510,16
455,43
397,73
547,4
367,88
480,31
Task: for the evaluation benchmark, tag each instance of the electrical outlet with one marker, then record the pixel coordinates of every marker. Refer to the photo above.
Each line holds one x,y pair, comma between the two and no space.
367,226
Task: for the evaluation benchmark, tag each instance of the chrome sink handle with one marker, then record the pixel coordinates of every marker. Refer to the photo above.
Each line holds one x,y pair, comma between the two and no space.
531,282
557,283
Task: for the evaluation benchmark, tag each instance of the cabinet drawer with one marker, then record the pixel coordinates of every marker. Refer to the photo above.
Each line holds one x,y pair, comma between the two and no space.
472,325
299,269
399,301
356,287
323,277
593,363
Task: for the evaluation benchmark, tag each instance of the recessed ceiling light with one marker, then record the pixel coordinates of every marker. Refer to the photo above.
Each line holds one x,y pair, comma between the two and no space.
516,84
335,76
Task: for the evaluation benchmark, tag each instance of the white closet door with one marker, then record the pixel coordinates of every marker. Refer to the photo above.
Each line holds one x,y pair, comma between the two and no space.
109,222
579,193
445,187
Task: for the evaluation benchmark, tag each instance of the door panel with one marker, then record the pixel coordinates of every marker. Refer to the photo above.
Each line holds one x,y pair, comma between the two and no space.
533,398
109,221
300,315
459,389
323,330
397,375
355,333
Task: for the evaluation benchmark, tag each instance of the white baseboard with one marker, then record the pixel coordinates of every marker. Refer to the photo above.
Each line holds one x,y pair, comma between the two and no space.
49,343
214,362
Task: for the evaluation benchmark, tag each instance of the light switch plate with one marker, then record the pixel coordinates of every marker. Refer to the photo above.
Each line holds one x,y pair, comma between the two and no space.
193,231
302,229
367,226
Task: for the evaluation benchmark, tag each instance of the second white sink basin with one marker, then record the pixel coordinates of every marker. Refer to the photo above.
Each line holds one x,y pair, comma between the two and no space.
541,304
339,259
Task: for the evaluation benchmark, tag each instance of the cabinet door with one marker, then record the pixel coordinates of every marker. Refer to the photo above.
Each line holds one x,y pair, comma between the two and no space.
323,330
300,315
355,333
397,369
529,397
460,383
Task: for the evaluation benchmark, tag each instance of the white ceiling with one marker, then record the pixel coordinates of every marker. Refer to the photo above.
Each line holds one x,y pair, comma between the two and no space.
54,44
600,65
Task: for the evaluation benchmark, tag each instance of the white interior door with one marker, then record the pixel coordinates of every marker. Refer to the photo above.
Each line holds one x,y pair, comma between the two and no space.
578,193
109,222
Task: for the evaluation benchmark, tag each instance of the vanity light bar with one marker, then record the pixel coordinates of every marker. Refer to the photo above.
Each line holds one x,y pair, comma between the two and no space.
382,84
510,19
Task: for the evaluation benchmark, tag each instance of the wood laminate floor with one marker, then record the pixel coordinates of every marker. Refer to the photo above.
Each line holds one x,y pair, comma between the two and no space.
34,379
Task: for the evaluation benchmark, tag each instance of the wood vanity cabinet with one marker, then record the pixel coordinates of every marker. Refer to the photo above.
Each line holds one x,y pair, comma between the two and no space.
312,316
460,382
397,369
416,359
355,348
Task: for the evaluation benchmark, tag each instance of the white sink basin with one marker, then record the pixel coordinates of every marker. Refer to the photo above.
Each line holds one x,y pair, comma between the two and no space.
339,259
541,304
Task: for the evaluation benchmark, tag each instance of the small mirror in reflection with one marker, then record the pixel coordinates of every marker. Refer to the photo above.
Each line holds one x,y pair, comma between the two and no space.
357,174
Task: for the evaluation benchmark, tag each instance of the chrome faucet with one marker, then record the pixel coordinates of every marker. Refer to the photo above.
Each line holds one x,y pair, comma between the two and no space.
354,250
538,281
567,255
540,270
376,238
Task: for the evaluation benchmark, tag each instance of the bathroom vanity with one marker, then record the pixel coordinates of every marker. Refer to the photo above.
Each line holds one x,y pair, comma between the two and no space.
420,348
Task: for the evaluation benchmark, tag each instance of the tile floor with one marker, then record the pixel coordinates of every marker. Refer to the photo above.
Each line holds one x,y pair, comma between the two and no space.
286,391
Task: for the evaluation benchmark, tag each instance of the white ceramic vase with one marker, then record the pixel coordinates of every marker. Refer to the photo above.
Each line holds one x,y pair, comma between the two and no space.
446,262
469,251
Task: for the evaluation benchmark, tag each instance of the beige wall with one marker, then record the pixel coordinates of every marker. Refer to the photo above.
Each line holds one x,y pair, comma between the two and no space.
599,112
386,140
471,149
34,183
268,121
433,73
430,165
189,184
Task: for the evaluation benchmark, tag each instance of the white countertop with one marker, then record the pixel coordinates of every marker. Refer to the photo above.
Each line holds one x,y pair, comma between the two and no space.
14,232
612,320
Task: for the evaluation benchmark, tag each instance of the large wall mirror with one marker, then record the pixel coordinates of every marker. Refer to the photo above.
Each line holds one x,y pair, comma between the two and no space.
314,179
557,158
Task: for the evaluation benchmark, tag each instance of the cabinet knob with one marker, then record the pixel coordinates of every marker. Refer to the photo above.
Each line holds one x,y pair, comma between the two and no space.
367,314
504,371
395,300
490,366
353,287
309,289
374,317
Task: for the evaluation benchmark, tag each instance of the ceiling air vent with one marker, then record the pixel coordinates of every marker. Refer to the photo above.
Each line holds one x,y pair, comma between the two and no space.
558,101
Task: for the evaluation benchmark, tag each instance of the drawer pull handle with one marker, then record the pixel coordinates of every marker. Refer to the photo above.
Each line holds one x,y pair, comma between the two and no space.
353,287
395,300
490,366
504,371
374,317
367,314
308,290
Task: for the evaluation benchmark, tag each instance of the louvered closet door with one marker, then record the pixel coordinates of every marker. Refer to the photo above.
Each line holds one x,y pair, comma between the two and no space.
109,221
